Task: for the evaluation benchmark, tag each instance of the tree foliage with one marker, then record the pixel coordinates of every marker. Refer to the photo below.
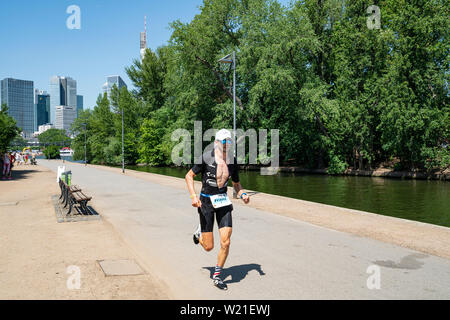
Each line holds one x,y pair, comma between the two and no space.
341,94
54,137
8,129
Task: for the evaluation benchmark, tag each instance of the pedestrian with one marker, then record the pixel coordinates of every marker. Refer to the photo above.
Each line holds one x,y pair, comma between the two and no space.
6,165
12,159
1,160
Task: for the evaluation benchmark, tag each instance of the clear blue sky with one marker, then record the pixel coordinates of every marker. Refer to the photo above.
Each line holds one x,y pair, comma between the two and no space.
36,44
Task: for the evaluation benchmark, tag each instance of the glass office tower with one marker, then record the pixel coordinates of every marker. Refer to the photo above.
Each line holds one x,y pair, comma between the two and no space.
63,92
79,104
64,117
110,82
42,108
18,95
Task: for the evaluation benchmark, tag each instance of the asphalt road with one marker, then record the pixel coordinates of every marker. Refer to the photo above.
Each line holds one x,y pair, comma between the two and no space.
271,256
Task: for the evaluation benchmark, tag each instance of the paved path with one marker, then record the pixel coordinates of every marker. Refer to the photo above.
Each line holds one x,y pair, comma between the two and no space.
271,257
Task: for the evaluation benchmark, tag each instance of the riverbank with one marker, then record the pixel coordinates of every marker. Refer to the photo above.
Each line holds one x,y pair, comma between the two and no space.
382,172
419,236
36,250
379,172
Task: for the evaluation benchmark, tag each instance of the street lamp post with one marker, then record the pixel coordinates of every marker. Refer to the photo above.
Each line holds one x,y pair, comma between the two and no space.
123,157
123,149
231,58
85,158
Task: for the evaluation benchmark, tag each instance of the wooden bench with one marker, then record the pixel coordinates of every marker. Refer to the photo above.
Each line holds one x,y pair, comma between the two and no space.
73,195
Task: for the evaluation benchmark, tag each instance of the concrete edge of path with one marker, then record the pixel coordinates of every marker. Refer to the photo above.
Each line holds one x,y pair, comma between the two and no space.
419,236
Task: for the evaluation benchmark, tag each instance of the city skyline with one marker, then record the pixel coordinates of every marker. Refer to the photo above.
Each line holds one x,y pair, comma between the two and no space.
98,49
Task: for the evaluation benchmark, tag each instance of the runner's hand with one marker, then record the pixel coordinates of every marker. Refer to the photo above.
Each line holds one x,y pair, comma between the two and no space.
196,203
246,198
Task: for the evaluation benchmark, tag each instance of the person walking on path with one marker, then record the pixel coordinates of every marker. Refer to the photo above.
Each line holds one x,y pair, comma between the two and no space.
1,160
18,158
12,158
216,168
6,165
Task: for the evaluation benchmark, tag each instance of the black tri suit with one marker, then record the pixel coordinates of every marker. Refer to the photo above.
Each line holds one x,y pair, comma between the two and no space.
206,212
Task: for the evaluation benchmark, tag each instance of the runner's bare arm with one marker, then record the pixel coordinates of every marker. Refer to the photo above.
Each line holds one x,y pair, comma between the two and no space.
239,191
190,184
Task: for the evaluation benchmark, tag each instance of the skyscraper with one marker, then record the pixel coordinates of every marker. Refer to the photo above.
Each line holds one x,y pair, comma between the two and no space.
64,117
79,105
63,92
18,95
110,82
41,108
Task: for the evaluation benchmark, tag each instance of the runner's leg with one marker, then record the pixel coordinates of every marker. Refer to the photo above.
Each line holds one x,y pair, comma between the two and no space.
206,215
225,236
207,241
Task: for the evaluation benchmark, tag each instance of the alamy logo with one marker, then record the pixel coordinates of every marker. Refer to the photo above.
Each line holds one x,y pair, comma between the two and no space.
74,20
374,20
257,147
374,280
74,280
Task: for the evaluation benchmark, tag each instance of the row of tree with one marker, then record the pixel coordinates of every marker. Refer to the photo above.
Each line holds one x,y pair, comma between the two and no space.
341,93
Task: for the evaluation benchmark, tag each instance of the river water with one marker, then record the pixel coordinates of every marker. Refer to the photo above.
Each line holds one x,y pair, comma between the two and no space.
419,200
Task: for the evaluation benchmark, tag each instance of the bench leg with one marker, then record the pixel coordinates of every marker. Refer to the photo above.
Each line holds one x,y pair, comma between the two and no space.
66,198
84,208
62,192
63,195
70,208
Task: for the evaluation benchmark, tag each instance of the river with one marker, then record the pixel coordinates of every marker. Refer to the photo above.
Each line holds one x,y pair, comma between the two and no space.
419,200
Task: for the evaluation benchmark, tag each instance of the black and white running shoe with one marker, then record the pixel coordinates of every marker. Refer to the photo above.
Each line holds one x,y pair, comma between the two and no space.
196,235
220,284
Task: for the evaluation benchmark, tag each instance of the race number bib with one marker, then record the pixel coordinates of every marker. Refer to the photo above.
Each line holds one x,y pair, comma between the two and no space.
220,200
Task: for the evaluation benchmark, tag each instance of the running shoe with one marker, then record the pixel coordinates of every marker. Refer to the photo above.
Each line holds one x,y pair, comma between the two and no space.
220,284
196,235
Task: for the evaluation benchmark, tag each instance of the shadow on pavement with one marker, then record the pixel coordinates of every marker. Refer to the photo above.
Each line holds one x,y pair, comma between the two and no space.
237,273
18,174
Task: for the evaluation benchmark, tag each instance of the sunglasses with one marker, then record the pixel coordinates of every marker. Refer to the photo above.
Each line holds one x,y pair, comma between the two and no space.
228,141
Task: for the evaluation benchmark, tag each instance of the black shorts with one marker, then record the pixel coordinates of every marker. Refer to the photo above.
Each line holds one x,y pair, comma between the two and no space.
206,213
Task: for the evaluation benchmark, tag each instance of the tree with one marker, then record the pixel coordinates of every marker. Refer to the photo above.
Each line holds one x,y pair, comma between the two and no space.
83,131
52,152
54,137
8,129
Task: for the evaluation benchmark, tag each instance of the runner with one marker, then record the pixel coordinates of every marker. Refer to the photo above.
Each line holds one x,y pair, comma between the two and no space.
216,168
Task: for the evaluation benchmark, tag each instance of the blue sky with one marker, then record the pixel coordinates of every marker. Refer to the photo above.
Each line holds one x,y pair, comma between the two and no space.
36,44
